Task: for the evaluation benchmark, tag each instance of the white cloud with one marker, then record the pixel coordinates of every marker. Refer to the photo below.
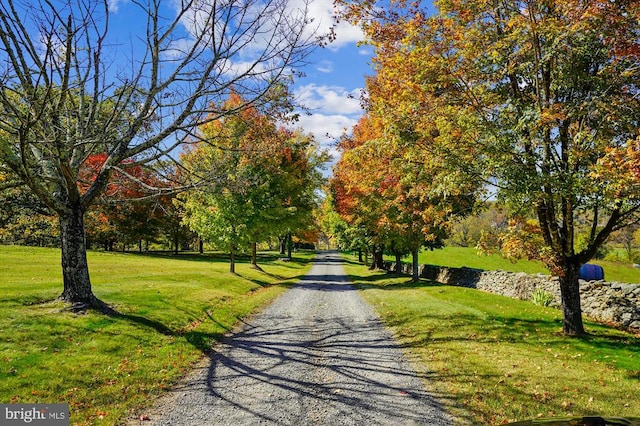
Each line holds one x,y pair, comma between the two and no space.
326,129
249,29
346,34
334,112
325,67
323,13
263,27
329,99
114,5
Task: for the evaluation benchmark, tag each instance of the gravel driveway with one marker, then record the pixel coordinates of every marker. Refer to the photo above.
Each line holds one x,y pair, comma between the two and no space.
317,356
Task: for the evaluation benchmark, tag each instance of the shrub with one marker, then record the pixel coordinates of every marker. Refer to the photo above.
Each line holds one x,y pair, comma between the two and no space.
541,297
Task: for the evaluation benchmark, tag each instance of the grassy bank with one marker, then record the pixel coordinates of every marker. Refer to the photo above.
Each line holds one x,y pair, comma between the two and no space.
170,310
498,359
457,257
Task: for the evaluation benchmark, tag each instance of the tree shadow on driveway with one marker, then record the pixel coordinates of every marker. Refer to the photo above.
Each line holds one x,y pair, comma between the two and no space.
321,357
330,372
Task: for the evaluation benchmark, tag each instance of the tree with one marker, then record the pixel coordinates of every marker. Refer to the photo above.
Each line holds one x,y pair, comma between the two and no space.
124,213
24,220
468,230
298,180
338,231
353,189
65,96
263,180
547,90
400,201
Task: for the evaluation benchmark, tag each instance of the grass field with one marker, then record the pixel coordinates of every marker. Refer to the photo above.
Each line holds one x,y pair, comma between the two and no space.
495,359
457,257
170,309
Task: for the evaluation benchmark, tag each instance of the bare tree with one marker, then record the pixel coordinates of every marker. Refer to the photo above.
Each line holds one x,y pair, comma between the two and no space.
72,86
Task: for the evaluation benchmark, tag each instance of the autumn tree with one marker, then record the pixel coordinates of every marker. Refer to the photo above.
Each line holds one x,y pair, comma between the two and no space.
72,87
125,212
352,188
420,192
262,180
382,183
547,90
338,231
23,218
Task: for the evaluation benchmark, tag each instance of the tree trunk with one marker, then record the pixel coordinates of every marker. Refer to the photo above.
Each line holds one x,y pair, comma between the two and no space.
570,295
254,255
414,266
283,244
232,260
289,245
378,259
200,246
398,263
75,272
360,255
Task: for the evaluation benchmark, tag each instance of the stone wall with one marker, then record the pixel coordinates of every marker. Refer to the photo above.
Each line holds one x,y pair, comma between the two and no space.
609,302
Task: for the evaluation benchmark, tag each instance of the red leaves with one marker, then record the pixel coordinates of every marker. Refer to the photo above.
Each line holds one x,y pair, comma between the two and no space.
128,181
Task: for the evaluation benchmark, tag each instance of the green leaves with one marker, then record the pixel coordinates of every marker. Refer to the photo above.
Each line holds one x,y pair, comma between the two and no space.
259,180
536,98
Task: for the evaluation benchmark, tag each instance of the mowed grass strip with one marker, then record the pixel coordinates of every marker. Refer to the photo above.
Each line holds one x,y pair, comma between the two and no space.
170,310
499,359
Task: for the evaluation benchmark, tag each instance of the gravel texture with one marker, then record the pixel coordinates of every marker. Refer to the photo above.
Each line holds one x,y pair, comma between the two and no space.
318,355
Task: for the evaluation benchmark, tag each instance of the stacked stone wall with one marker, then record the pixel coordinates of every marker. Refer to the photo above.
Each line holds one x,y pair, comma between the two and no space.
609,302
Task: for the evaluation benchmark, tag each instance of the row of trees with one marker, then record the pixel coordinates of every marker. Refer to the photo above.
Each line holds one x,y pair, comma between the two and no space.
258,179
536,100
124,218
262,181
73,89
392,201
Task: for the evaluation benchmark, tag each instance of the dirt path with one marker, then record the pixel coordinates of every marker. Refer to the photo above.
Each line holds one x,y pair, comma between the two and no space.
317,356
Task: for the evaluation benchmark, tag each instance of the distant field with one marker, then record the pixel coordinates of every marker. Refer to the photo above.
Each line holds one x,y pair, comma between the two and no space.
457,257
170,310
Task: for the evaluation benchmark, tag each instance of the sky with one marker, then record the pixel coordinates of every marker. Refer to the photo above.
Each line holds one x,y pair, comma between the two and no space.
333,82
333,79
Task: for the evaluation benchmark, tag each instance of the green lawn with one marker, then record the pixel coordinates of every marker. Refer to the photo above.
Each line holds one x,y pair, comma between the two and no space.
170,309
494,359
457,257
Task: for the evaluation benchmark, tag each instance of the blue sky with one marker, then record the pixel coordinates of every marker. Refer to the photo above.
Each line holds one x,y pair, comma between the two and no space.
331,91
333,80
